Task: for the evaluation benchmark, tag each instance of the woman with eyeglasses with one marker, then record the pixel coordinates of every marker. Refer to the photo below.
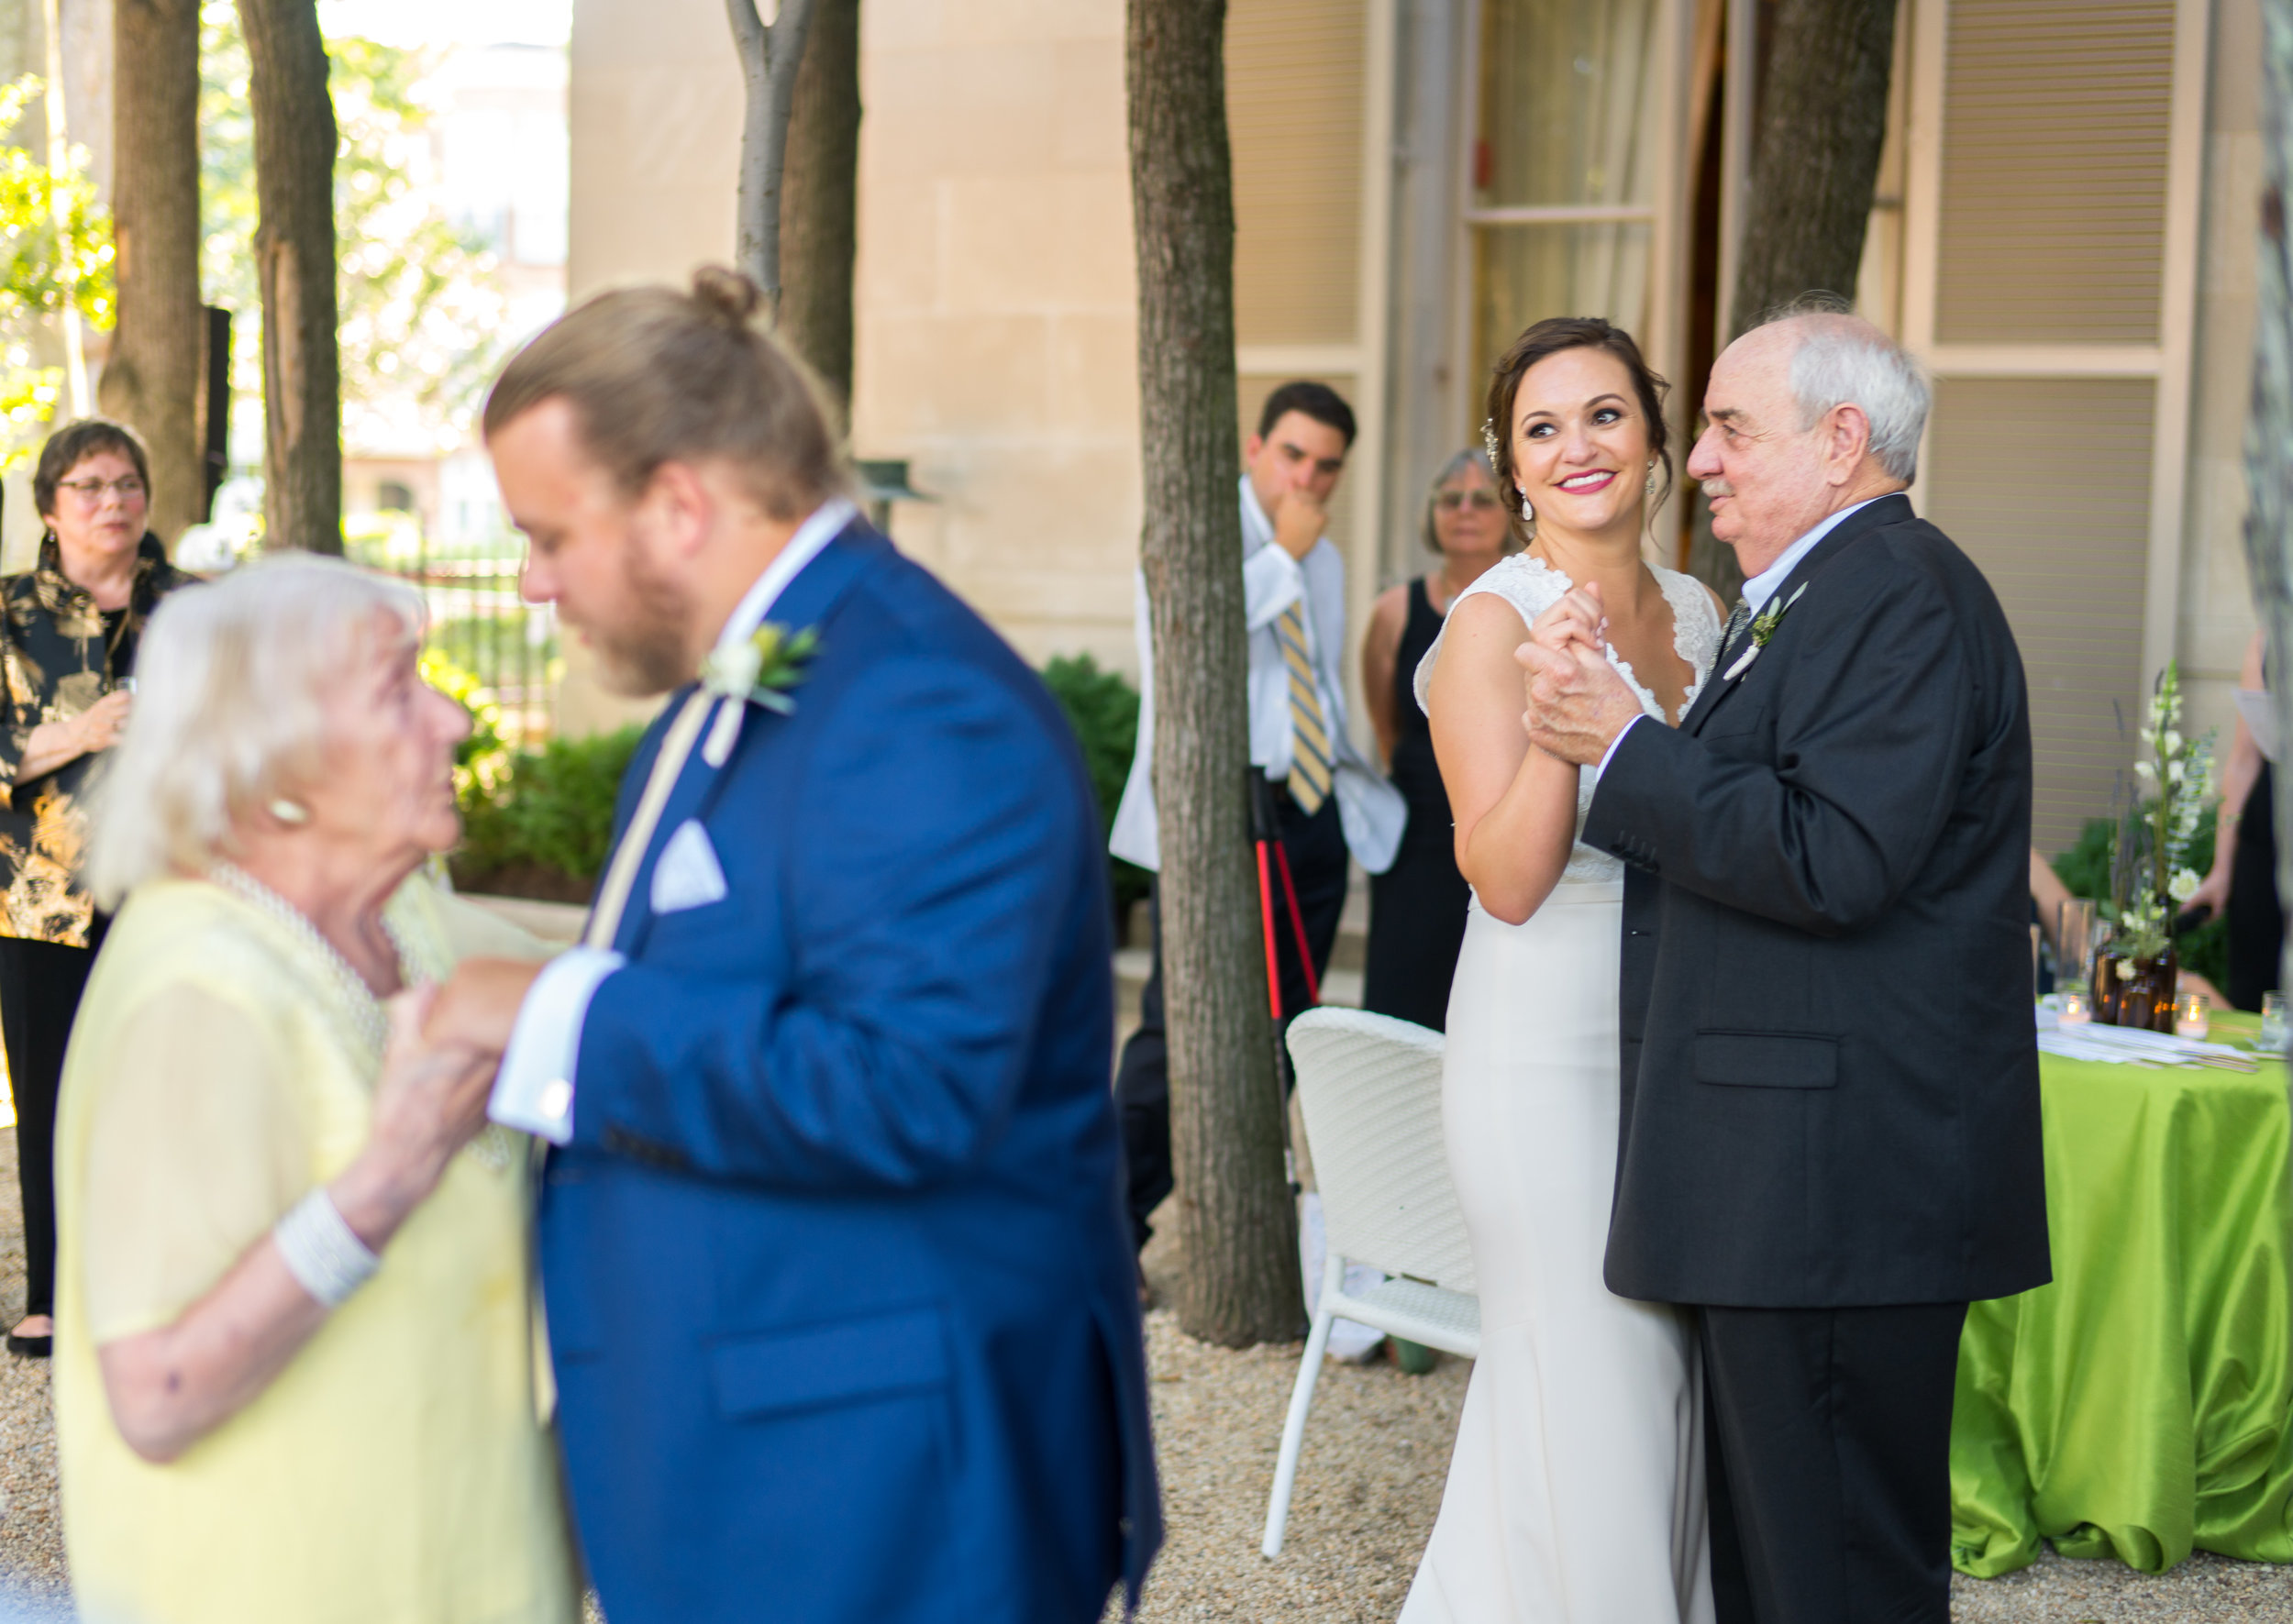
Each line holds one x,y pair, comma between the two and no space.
1417,906
68,632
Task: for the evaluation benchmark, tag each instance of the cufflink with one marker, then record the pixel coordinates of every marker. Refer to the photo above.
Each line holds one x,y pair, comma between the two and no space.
557,1099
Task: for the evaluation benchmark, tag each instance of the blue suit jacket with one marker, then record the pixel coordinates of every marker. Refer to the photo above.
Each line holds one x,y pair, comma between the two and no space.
840,1299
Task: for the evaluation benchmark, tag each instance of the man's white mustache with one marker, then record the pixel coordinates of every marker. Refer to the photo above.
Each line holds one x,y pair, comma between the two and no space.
1713,487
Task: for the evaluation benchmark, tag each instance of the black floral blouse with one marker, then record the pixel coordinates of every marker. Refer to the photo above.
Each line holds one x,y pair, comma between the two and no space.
60,654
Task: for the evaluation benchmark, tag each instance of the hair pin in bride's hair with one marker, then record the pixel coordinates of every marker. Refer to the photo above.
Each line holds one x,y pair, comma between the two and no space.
1489,439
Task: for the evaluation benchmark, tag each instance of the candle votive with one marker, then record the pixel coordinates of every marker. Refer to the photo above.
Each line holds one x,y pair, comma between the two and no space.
2273,1033
2078,1008
2191,1015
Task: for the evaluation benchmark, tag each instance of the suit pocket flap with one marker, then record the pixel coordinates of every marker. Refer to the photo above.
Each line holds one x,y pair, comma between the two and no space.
1768,1059
837,1362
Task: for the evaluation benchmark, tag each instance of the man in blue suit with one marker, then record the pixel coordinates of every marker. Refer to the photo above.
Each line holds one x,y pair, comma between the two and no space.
838,1288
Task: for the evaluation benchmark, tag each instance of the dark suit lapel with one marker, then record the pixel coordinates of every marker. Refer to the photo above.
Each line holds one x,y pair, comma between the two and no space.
808,601
1887,510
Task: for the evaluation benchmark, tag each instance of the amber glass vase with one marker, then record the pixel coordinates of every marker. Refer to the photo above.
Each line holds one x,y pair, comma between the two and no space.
2147,996
2107,989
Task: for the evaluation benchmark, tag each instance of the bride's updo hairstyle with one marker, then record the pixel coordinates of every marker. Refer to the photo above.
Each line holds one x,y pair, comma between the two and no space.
1551,336
657,376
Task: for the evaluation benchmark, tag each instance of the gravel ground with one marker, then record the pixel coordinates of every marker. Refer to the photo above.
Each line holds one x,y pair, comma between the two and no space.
1369,1485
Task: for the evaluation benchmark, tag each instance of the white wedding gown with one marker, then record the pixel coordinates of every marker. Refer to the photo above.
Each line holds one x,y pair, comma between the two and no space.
1576,1493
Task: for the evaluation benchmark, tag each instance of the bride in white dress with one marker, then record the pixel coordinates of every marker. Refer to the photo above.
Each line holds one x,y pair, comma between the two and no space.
1576,1493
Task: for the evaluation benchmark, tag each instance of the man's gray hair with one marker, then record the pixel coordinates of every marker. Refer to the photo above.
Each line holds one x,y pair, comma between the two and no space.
1842,360
231,683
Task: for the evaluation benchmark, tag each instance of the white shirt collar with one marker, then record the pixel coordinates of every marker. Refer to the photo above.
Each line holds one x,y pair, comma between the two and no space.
812,537
1762,587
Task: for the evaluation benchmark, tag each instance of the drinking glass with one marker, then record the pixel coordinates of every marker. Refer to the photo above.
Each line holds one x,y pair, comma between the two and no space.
2076,936
2191,1015
2078,1008
2272,1026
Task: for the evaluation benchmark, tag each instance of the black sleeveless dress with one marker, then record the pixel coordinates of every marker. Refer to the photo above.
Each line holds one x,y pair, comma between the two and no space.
1416,907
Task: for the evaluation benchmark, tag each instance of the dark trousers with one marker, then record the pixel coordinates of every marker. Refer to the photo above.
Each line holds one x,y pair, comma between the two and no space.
1142,1081
40,984
1828,1434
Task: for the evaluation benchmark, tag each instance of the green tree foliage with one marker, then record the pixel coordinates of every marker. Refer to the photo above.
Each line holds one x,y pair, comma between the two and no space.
37,274
424,313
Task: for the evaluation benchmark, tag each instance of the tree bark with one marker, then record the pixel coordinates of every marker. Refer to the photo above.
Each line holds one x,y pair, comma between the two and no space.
1822,118
2269,429
295,265
770,58
819,191
153,377
1237,1224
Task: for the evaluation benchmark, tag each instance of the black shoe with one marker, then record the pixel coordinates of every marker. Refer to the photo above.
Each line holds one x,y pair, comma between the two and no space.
29,1347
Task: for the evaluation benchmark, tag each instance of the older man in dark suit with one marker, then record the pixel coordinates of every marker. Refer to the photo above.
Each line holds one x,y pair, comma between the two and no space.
1830,1128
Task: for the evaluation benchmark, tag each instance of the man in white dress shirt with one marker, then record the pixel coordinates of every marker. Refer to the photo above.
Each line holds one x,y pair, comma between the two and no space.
1326,799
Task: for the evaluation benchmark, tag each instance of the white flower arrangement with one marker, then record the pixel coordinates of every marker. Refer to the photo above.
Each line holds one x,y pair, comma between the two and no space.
2180,778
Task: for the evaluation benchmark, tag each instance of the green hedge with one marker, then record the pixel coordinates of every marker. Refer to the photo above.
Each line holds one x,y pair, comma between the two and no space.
538,822
541,824
1102,709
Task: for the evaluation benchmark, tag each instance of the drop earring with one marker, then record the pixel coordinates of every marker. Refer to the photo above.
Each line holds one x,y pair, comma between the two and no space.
1649,489
1528,513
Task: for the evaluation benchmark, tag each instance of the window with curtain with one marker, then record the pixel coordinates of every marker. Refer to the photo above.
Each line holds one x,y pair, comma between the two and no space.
1563,166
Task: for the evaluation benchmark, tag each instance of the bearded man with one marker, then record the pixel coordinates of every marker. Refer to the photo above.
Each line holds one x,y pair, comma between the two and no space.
839,1298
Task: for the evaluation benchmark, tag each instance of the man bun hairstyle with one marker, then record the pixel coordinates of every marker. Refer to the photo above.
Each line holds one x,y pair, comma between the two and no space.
1317,401
656,376
1550,337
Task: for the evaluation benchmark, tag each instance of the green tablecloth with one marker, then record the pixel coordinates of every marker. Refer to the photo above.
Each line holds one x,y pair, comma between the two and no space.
2142,1405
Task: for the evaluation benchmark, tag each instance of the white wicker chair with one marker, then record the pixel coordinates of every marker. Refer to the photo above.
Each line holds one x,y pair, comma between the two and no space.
1369,1087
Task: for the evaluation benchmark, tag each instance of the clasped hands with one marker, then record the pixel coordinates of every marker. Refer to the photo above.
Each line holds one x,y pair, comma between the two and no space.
1576,703
462,1024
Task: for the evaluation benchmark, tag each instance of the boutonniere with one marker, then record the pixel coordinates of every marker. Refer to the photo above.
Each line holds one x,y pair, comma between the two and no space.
759,671
762,668
1762,627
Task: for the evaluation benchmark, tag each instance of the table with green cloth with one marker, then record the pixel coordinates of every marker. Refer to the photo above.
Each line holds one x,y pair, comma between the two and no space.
2142,1405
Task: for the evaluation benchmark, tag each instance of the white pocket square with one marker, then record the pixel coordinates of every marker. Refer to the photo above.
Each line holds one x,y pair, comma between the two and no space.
688,875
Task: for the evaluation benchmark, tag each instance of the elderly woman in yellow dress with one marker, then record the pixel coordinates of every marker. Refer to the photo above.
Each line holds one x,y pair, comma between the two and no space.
294,1360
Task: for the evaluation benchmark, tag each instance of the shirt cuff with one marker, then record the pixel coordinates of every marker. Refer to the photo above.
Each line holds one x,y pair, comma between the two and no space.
533,1091
1610,753
1271,582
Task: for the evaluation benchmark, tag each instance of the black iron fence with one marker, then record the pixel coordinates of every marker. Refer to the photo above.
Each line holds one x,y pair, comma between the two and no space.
480,624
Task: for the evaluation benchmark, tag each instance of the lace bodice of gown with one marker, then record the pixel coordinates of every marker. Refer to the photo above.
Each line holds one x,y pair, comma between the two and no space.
1532,586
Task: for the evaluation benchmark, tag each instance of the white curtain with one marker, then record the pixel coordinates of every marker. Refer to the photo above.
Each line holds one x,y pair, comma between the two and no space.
1568,118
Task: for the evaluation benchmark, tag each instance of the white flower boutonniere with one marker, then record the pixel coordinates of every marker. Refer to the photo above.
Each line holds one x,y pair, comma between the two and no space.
759,671
1762,627
763,669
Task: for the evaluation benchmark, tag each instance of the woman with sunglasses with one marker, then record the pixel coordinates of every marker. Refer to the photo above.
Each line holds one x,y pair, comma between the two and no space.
1417,906
67,632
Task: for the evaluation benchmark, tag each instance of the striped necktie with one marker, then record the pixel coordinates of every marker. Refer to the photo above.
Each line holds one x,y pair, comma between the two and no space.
1738,618
1310,755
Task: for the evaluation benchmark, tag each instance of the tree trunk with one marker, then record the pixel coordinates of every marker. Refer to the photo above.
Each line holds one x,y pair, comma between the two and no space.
294,264
818,197
1822,116
1236,1222
2269,431
770,58
153,377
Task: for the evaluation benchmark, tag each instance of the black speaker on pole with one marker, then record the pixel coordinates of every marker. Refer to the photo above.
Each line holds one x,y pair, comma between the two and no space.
217,415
